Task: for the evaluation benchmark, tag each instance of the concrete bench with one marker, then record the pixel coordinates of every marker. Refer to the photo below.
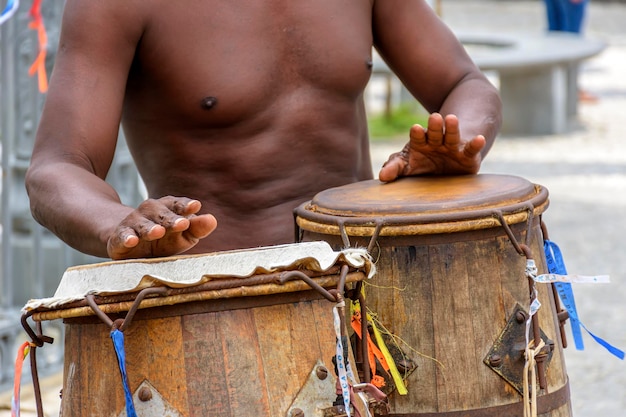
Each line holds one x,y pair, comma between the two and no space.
537,76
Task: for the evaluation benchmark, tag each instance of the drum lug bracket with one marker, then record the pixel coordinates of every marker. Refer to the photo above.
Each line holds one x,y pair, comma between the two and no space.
506,356
149,402
317,393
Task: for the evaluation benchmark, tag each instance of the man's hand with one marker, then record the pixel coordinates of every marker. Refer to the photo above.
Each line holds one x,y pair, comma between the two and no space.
163,227
438,149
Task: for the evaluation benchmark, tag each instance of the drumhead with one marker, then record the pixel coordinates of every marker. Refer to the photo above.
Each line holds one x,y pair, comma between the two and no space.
423,204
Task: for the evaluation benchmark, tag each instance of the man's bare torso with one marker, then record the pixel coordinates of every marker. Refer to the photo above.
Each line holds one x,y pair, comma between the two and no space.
251,108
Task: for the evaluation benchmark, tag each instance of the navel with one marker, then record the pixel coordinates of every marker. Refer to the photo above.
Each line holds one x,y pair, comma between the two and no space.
209,102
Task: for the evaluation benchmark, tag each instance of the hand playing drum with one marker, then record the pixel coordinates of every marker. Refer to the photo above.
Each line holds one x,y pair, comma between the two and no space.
160,227
436,149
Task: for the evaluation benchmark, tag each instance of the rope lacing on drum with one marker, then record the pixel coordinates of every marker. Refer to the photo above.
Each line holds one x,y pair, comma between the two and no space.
530,379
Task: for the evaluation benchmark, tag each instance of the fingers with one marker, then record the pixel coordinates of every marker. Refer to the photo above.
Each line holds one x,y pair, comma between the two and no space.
440,131
121,243
153,218
395,166
182,206
452,131
417,137
391,170
474,146
128,239
435,131
436,149
201,226
444,132
171,223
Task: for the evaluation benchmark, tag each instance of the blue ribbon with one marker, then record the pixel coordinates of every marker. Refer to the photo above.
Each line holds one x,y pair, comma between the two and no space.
118,343
554,260
9,10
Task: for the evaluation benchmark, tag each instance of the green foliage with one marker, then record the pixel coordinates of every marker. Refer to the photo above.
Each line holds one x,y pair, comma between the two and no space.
396,123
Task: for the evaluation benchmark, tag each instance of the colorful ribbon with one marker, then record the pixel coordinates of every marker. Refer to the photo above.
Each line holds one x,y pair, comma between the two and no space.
9,10
39,65
373,352
118,343
22,352
554,259
395,374
342,360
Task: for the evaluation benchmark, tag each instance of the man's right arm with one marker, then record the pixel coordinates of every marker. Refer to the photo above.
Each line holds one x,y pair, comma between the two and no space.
78,130
77,135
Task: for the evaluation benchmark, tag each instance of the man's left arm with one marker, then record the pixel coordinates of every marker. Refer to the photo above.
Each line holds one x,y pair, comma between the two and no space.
434,66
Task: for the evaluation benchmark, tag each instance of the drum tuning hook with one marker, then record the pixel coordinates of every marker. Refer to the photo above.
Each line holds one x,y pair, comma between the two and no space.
521,248
37,340
291,275
379,223
122,324
335,295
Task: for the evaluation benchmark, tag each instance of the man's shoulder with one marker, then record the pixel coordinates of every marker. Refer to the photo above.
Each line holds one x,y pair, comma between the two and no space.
103,17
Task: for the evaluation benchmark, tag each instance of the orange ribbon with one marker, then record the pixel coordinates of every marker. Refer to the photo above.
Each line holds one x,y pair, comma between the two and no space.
17,382
373,352
39,65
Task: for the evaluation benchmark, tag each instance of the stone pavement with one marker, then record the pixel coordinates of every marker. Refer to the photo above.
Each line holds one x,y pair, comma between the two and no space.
585,172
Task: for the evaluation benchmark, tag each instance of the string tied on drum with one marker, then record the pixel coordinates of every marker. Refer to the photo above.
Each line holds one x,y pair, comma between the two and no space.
524,249
341,353
343,367
348,390
534,351
347,385
530,378
117,337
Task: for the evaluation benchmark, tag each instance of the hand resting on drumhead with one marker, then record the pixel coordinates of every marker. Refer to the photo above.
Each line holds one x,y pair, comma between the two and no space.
160,227
436,149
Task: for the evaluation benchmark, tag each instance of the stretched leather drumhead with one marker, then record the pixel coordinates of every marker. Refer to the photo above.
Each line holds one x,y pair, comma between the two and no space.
426,200
424,194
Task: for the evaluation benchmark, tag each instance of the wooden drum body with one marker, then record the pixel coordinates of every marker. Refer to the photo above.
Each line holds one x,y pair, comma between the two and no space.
228,346
451,285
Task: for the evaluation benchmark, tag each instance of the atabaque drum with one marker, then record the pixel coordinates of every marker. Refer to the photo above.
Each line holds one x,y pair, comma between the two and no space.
455,290
239,333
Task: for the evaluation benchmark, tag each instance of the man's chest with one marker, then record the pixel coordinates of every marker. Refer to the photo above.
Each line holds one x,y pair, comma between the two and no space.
235,57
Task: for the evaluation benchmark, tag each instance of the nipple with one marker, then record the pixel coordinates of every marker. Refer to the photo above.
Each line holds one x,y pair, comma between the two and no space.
209,102
369,64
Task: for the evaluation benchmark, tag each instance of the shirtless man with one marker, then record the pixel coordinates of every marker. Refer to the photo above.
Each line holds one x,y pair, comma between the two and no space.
238,111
